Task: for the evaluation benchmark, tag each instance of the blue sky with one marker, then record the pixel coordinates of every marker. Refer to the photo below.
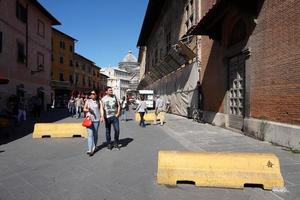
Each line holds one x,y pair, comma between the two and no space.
106,30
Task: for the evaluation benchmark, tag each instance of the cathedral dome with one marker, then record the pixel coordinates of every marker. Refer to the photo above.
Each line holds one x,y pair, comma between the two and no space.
129,58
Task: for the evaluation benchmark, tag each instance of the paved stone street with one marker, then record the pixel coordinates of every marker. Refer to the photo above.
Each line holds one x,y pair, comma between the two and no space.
59,168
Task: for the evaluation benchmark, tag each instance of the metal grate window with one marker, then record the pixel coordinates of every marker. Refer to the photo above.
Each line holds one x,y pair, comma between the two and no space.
236,70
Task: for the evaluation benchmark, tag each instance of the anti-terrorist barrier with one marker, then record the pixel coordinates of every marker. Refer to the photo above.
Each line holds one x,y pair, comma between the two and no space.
59,130
148,116
216,169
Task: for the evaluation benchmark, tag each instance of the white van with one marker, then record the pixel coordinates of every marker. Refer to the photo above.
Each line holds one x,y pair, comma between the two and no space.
149,97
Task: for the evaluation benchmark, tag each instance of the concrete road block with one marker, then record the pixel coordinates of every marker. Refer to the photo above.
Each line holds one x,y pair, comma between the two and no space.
59,130
147,117
213,169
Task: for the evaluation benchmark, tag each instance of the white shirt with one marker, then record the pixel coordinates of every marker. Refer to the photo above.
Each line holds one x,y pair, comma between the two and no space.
142,107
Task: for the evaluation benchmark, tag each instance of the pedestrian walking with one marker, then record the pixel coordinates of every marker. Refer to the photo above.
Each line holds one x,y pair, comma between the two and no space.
160,106
78,106
71,106
22,110
92,108
125,109
142,109
111,110
86,97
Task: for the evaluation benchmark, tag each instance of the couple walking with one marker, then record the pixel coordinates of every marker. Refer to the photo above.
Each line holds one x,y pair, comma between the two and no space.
105,110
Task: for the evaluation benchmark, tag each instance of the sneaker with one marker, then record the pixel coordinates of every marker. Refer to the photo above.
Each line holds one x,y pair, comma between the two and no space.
116,145
110,146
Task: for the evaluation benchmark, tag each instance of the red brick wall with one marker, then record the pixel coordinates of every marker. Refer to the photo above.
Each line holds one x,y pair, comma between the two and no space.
274,63
213,78
213,75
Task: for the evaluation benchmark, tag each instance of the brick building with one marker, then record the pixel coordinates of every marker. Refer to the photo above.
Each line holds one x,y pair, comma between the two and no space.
250,72
25,49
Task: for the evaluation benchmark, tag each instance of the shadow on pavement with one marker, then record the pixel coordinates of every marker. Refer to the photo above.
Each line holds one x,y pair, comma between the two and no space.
123,142
24,128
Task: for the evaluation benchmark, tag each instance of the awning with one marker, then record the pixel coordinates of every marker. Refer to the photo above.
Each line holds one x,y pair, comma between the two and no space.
178,55
3,80
211,23
185,51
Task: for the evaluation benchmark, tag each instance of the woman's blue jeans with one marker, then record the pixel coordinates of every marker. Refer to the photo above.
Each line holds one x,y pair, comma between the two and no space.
115,122
142,121
92,132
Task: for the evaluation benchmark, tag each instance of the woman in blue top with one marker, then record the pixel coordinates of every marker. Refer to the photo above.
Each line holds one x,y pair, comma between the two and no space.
92,108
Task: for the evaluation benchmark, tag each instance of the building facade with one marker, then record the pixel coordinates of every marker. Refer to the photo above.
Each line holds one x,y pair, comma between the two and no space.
25,50
63,68
103,83
169,57
86,76
250,67
129,63
118,79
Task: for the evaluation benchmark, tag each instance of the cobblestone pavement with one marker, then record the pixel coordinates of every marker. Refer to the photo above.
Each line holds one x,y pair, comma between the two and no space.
59,168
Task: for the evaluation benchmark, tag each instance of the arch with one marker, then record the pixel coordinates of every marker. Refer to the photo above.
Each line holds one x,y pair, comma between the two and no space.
236,28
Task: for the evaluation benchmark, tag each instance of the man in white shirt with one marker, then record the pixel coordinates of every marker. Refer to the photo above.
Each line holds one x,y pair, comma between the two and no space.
111,110
160,106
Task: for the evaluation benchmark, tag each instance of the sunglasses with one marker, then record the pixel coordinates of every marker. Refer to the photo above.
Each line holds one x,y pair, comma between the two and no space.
93,93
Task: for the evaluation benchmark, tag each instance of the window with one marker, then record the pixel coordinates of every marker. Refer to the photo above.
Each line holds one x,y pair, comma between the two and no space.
83,67
0,41
61,60
71,63
189,15
21,52
156,56
76,64
40,61
168,40
21,12
61,76
71,79
83,81
71,48
52,57
41,29
62,45
76,79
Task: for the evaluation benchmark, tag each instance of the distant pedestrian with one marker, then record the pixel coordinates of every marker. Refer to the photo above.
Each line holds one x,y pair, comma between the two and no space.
22,110
78,105
92,108
125,108
142,109
86,97
111,110
71,106
160,107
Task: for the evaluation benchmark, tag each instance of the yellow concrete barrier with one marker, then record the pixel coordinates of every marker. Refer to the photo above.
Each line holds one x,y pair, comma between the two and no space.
212,169
147,117
59,130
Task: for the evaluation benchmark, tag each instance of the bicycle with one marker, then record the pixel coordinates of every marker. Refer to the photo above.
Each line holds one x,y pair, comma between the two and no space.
197,115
